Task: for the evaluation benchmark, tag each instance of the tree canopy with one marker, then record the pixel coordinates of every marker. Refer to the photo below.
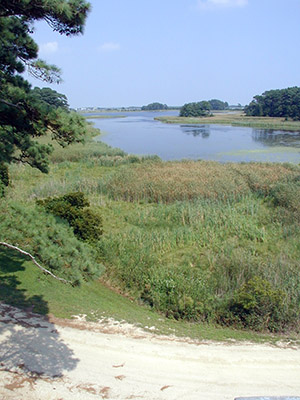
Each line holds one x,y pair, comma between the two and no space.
51,98
155,106
216,104
199,109
26,113
276,103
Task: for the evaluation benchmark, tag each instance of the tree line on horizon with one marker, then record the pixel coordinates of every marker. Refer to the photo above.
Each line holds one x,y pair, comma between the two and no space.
282,103
213,104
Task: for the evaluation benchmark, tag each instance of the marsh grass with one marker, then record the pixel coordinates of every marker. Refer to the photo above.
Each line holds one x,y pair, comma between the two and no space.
201,231
236,119
189,258
183,237
190,180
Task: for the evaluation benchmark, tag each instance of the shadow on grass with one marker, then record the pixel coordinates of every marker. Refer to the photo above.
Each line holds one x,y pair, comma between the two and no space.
29,342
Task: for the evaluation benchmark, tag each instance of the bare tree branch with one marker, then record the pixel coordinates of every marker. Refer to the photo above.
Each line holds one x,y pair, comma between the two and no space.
34,261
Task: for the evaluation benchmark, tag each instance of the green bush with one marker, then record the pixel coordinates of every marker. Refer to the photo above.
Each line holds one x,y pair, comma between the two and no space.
2,190
4,177
53,245
86,223
258,306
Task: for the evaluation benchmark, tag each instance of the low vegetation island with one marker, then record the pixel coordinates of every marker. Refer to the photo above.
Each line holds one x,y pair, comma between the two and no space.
274,109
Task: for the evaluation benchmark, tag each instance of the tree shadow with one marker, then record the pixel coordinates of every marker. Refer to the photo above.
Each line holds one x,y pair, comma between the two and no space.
29,342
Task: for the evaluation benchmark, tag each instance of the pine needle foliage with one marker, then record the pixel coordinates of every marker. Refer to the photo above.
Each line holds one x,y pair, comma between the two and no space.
51,242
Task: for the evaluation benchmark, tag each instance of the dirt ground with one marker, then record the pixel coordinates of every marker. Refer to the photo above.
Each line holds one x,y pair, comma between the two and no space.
42,358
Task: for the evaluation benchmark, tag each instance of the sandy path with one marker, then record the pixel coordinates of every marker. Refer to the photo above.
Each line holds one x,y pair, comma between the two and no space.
43,360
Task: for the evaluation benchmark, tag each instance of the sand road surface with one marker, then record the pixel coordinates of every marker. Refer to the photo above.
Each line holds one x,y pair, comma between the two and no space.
48,359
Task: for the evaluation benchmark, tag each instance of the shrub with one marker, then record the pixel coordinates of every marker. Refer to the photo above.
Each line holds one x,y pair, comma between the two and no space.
257,305
2,190
4,177
86,223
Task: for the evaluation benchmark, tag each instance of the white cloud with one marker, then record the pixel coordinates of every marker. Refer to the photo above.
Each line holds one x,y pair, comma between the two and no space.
217,4
48,48
109,46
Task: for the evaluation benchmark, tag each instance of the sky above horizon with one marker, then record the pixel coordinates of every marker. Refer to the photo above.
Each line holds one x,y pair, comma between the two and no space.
137,52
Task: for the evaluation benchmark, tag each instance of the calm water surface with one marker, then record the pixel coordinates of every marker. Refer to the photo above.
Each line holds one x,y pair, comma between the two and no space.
138,133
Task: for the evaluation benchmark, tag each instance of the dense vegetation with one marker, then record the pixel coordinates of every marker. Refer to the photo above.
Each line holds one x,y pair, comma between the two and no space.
23,116
51,98
49,240
276,103
155,106
216,104
73,207
200,109
198,241
209,242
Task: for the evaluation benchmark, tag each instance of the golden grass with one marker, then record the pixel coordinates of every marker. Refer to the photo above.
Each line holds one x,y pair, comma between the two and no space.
188,180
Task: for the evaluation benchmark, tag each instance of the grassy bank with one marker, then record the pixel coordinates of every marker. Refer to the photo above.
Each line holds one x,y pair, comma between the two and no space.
187,239
236,119
22,285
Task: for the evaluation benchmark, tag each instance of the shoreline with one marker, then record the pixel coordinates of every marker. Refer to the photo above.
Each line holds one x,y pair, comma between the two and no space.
236,119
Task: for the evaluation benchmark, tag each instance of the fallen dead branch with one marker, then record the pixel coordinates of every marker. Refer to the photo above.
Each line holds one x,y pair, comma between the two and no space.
46,271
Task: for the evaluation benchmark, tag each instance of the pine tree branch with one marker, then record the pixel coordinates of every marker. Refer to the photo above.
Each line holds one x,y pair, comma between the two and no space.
34,261
10,104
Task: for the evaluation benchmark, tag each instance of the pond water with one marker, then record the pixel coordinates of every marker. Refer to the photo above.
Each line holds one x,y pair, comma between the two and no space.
138,133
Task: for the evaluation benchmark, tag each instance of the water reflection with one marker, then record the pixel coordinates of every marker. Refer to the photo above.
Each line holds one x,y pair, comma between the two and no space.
140,134
196,130
270,137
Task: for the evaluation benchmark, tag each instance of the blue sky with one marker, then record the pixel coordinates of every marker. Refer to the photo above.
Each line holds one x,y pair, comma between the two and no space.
176,51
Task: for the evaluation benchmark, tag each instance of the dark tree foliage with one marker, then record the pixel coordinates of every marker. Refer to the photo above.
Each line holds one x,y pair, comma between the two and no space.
276,103
72,207
23,116
155,106
51,98
4,177
200,109
65,16
216,104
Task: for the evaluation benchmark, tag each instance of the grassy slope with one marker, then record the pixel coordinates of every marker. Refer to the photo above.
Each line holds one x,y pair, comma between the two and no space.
80,168
236,119
23,285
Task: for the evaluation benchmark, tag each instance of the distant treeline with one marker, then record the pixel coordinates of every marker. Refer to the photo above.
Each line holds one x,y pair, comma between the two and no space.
190,109
155,106
276,103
